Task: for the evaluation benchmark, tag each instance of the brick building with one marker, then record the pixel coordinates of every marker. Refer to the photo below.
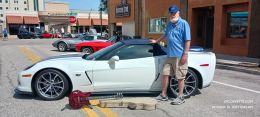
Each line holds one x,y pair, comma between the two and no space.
225,26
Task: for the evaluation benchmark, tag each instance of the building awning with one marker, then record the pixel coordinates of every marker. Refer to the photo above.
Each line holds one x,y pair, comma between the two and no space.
84,22
31,20
14,19
119,24
98,22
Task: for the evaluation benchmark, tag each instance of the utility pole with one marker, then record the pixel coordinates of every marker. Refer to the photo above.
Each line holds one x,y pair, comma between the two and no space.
101,9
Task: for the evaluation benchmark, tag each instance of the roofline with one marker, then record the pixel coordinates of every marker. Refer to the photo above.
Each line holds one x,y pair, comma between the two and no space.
57,2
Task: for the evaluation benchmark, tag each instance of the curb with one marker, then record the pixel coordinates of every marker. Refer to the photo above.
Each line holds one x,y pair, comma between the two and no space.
239,69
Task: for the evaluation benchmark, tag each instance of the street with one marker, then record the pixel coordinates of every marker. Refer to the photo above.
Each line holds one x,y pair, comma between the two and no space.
231,94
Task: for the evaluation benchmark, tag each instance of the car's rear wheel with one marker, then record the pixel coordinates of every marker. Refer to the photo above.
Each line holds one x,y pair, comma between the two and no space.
190,84
51,84
62,47
87,50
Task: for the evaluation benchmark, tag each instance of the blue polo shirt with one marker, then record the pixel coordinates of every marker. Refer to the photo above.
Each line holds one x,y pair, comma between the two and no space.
176,35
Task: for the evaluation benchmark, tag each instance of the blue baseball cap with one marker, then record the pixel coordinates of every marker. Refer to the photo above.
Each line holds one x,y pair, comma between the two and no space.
173,9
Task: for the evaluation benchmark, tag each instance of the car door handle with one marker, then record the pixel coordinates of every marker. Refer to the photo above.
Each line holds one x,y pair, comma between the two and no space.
88,77
158,75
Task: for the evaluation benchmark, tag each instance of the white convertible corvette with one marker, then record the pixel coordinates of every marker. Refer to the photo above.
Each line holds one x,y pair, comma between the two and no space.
130,66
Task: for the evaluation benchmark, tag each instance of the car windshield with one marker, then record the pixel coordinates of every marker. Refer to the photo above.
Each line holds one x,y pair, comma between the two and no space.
101,38
103,51
79,37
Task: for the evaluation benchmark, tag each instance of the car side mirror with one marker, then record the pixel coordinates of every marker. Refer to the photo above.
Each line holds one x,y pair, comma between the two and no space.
150,51
85,55
113,59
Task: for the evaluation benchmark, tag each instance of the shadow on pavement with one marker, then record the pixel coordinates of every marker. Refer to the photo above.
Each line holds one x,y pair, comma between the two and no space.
25,96
63,52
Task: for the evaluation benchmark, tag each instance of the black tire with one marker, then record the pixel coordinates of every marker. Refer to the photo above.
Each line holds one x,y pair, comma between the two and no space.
19,37
190,85
87,50
51,85
62,47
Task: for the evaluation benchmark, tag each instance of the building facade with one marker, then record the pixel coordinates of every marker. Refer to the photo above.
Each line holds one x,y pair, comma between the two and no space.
89,19
54,17
17,13
224,26
47,16
57,14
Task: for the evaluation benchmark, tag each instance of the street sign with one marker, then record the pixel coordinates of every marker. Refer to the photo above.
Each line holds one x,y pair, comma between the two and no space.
72,19
72,14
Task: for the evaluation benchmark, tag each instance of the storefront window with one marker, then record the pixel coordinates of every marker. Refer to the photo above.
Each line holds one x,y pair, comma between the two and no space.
13,29
237,24
157,25
81,29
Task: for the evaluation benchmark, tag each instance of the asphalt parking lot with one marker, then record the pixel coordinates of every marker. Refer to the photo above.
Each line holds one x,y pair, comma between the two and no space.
231,94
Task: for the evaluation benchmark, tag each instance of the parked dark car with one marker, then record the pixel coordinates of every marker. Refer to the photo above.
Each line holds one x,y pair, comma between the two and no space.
67,35
23,34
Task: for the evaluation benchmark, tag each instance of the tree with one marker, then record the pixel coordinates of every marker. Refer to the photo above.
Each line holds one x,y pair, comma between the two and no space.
103,6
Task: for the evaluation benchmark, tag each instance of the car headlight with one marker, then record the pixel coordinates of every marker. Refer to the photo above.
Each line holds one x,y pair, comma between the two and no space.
29,67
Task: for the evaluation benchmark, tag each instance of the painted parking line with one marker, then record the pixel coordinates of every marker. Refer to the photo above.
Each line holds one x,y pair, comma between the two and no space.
106,111
237,87
90,112
30,54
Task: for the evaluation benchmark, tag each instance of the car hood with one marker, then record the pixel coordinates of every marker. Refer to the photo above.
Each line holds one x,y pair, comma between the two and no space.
94,43
70,57
68,40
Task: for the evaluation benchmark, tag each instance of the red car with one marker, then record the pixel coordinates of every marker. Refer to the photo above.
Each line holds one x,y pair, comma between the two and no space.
49,35
91,47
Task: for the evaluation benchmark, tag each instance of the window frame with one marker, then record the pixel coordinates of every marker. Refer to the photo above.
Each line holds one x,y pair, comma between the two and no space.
158,18
241,7
229,32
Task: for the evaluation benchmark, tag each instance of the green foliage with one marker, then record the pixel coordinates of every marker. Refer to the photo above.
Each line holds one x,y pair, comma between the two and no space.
103,5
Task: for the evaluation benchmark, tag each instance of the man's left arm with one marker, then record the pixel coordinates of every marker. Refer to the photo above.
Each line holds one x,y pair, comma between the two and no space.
185,53
187,38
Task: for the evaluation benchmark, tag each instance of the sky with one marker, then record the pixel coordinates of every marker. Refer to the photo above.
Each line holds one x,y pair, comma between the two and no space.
82,4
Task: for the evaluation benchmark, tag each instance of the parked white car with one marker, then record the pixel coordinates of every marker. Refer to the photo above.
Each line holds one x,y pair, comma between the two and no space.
129,66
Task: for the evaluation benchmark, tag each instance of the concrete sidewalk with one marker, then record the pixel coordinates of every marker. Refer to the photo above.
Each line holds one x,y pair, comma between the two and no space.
236,63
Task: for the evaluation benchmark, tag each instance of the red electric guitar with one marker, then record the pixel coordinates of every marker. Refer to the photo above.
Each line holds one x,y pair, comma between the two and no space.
77,98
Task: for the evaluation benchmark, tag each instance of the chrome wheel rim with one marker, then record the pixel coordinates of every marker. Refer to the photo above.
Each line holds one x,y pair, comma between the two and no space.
50,85
61,47
190,84
87,50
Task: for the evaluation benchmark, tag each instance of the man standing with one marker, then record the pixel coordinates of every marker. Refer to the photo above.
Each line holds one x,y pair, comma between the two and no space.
5,33
178,38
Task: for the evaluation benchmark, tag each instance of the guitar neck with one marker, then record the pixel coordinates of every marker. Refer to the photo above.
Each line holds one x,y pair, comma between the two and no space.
102,97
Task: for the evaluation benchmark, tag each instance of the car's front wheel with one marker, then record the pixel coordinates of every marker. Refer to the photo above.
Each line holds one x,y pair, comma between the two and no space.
190,84
87,50
51,84
20,37
62,47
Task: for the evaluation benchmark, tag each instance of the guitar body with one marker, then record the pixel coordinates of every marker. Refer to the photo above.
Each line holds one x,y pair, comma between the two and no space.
78,98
